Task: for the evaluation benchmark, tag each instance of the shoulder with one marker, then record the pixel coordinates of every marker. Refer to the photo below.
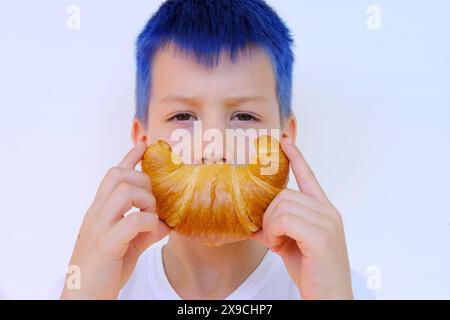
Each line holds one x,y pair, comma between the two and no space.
138,286
277,283
271,281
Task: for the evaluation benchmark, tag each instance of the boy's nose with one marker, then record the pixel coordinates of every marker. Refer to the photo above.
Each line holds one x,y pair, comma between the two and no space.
213,151
213,158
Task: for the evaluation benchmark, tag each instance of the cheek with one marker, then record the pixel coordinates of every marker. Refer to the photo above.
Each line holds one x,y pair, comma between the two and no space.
267,123
160,129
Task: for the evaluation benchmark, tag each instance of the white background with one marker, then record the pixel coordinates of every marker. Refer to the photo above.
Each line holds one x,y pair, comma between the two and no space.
373,108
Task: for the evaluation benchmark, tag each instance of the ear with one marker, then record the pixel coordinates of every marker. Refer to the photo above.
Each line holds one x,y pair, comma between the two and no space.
289,128
138,132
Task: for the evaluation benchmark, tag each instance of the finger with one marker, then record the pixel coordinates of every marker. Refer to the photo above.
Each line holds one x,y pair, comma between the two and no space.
133,156
145,239
307,201
139,244
294,227
122,199
114,178
293,195
258,236
118,238
304,176
297,209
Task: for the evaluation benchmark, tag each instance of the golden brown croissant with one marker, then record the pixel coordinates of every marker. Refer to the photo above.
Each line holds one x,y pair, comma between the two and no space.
215,203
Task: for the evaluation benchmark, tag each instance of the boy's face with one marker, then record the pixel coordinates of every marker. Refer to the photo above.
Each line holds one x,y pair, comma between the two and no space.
233,95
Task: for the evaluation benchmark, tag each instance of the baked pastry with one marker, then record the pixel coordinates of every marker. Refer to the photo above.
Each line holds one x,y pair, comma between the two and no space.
215,203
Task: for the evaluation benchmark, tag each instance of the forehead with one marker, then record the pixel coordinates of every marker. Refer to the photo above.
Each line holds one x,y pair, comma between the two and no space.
175,72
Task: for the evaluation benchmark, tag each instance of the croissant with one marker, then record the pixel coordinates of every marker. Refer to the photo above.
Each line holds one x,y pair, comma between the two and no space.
215,203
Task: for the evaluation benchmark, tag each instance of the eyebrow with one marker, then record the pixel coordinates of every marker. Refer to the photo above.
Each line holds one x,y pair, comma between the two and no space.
191,101
236,101
230,101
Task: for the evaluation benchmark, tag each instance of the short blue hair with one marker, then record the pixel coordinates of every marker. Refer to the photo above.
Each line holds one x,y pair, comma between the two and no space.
205,29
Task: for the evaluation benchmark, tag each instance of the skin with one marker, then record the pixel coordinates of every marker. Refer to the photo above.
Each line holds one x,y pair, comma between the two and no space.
303,227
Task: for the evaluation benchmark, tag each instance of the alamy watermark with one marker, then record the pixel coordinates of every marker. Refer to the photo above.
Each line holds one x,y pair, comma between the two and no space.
73,21
373,21
239,146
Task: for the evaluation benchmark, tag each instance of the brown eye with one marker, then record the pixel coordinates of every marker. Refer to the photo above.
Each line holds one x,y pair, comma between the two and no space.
184,116
245,117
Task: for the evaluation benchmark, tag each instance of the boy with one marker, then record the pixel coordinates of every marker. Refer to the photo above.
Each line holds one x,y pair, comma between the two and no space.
227,64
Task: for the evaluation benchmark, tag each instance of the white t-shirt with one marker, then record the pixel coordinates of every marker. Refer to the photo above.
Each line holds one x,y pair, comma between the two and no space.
270,280
267,281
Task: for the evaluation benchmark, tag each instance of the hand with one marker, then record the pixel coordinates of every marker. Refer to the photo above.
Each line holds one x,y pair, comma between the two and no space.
307,232
109,244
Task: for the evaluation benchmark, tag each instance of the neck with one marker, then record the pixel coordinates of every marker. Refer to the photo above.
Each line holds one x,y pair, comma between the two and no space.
198,271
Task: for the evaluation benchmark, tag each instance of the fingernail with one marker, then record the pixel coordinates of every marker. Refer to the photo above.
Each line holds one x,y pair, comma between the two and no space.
288,141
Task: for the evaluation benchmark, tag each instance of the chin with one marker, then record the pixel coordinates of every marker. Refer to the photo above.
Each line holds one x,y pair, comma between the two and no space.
213,240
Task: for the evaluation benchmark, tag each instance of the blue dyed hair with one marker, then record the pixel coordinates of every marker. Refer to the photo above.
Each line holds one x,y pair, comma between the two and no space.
207,28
